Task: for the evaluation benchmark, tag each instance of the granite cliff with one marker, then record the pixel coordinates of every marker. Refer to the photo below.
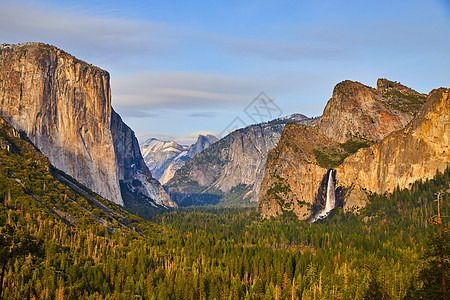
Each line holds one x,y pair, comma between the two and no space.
64,106
356,110
362,135
203,142
231,170
413,153
134,175
293,174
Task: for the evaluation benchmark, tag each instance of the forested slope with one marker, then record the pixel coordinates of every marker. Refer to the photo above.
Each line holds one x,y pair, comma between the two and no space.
94,249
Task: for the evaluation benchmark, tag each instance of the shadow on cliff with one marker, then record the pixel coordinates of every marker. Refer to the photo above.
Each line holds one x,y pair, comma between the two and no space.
321,196
189,199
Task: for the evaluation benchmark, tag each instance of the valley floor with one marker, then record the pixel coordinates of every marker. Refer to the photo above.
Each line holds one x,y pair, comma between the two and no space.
217,253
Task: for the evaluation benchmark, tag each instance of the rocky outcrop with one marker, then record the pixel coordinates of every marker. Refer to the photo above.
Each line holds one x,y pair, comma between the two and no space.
293,174
413,153
233,167
64,106
203,142
296,167
356,110
7,131
131,165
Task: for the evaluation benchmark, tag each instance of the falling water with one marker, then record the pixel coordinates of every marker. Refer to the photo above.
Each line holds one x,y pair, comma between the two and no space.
330,201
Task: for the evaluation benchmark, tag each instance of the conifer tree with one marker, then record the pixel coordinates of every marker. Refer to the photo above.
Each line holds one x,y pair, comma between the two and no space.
13,245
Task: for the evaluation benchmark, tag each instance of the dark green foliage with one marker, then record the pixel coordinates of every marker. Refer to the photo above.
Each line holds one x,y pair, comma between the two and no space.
237,197
374,291
404,102
14,245
137,203
279,190
430,277
196,199
332,157
329,158
279,186
354,144
94,249
433,280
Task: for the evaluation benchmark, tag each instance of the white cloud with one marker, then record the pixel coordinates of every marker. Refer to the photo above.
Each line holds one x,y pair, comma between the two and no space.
182,139
90,36
182,90
203,91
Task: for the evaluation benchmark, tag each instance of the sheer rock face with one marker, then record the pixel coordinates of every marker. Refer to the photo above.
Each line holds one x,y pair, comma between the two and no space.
359,110
131,165
407,155
64,106
292,176
237,160
203,142
416,151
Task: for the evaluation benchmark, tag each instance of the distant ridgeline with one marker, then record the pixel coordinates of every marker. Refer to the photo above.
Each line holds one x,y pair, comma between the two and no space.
368,140
230,171
163,158
289,171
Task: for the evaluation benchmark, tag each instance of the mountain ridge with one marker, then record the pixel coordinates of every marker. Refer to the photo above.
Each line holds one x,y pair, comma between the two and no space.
163,158
416,152
232,167
287,171
359,110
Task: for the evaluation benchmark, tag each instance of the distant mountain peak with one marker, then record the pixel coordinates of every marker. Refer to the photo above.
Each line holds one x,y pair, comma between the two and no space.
165,157
203,142
233,166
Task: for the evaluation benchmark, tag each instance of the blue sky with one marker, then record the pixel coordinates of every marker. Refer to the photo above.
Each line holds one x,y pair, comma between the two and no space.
180,68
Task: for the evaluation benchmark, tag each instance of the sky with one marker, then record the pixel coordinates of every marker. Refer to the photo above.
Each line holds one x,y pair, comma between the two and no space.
183,68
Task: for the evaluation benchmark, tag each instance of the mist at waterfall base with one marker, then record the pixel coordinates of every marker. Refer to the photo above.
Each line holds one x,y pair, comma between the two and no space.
330,203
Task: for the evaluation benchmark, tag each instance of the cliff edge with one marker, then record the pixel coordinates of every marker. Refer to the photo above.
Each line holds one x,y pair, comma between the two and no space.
64,106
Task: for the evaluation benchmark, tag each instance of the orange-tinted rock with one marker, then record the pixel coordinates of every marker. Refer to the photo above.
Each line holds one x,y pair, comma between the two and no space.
356,110
406,150
293,176
64,106
416,152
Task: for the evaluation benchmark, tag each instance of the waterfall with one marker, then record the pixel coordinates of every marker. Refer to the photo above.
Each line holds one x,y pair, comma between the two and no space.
331,199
